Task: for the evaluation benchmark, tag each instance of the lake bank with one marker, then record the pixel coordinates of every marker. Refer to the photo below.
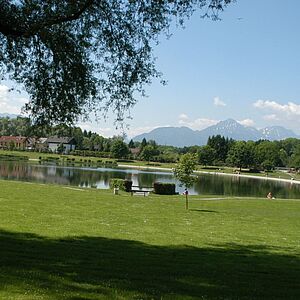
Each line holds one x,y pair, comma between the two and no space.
212,173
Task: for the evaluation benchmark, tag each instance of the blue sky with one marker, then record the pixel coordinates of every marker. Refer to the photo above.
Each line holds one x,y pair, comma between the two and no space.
245,67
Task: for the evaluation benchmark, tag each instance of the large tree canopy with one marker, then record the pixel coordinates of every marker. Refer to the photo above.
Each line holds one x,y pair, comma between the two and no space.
74,57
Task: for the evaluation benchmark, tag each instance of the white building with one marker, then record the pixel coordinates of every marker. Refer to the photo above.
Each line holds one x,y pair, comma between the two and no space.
67,144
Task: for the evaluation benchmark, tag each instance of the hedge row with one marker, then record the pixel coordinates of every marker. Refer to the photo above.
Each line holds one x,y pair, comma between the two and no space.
160,188
164,188
12,157
90,153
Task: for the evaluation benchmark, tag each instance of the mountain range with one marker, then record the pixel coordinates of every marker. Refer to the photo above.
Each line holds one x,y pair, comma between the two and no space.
184,136
7,115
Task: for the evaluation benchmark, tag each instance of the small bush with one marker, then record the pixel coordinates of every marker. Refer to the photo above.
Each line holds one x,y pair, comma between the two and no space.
253,171
110,163
164,188
51,158
122,184
117,183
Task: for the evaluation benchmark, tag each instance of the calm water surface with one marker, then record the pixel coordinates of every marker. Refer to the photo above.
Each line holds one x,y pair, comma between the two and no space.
99,178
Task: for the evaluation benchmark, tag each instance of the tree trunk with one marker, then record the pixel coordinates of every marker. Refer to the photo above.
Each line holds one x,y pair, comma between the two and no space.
186,201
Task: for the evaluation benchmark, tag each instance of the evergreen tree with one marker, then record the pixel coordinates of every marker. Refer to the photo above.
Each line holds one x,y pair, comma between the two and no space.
221,146
143,143
131,144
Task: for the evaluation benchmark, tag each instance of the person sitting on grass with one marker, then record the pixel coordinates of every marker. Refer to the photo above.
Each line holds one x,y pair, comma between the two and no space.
270,196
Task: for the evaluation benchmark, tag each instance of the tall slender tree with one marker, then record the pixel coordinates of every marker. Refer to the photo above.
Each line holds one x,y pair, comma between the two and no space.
184,173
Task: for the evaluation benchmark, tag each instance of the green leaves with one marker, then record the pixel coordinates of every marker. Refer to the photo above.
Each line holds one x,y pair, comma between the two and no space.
75,57
184,169
119,149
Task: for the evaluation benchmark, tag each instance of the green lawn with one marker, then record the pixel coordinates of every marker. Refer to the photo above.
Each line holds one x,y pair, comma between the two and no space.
37,155
62,243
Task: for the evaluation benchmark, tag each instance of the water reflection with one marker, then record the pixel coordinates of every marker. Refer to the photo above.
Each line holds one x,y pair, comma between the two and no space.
240,186
99,178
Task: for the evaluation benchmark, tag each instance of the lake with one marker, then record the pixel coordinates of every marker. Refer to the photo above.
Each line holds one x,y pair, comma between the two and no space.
99,178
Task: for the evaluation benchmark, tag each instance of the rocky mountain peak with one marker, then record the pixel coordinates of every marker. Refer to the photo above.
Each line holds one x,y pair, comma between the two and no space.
183,136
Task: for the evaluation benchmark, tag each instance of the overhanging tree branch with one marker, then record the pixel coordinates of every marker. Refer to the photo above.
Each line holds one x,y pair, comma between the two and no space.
74,57
9,29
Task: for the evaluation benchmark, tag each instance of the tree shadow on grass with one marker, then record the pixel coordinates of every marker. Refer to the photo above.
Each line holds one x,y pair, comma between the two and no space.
100,268
204,210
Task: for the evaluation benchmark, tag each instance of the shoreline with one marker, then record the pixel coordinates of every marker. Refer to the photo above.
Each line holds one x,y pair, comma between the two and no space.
213,173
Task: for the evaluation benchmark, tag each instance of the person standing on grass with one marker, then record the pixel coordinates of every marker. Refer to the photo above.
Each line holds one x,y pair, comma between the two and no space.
186,192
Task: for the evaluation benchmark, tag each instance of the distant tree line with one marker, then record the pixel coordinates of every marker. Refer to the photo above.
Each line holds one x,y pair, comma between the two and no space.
259,155
219,151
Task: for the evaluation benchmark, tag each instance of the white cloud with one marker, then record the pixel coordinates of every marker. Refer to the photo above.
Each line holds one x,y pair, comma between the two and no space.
22,100
247,122
86,126
9,102
286,115
197,124
112,131
132,132
290,109
3,89
219,102
107,131
183,117
272,117
103,131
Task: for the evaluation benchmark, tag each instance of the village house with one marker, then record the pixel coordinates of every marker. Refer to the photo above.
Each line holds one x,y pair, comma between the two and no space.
37,144
135,152
41,144
13,142
61,144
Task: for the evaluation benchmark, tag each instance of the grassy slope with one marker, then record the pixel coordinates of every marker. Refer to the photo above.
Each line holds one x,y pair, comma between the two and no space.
62,243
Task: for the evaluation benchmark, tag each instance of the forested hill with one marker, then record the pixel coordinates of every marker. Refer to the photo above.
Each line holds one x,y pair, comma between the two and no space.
183,136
